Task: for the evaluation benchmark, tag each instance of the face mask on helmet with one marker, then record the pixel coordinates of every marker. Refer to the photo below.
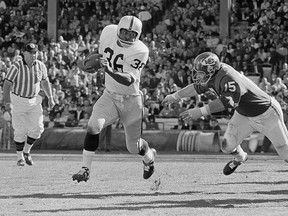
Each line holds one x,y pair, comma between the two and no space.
205,65
129,30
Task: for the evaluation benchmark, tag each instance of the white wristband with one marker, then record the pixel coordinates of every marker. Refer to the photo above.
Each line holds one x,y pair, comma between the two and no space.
176,96
205,110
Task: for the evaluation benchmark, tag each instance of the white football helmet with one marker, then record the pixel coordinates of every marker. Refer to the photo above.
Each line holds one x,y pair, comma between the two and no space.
130,24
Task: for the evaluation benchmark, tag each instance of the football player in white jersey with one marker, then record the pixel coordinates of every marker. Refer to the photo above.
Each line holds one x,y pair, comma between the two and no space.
123,58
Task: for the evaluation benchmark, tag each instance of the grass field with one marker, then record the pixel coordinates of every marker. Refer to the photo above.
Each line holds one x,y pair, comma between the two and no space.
190,184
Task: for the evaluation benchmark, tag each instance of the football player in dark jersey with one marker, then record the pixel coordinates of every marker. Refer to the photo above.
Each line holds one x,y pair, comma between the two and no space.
254,110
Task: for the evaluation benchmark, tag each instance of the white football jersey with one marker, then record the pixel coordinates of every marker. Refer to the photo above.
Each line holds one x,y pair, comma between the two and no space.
127,60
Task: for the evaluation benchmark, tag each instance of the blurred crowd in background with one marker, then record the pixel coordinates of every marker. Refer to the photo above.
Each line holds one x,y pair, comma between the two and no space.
175,31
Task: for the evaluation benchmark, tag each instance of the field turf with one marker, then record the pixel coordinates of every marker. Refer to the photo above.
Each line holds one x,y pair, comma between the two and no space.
183,184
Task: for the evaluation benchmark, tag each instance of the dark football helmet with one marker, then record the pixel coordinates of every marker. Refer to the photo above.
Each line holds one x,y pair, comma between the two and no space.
205,65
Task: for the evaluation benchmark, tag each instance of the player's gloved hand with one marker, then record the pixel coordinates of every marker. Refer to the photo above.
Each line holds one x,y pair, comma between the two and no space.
193,114
171,98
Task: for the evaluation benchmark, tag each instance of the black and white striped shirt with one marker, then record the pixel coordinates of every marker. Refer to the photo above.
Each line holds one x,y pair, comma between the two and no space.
26,81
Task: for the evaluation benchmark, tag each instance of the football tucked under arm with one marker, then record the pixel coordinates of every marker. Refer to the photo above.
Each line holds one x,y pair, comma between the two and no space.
91,64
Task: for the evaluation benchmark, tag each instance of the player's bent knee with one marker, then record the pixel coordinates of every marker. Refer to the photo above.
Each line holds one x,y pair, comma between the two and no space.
19,137
224,147
93,130
35,135
132,148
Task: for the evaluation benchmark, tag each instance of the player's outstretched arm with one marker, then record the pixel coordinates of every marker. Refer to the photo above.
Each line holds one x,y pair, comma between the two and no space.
208,109
188,91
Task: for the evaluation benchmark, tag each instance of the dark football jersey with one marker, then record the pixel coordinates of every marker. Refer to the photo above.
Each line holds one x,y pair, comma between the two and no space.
237,91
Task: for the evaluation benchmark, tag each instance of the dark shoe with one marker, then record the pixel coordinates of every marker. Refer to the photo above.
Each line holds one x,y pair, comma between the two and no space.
28,159
82,175
21,162
149,167
232,165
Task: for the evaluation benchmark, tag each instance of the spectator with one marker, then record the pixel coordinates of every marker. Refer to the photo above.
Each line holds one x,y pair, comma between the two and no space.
225,56
279,85
180,78
153,111
214,124
166,112
65,112
265,85
59,121
71,121
145,16
3,6
80,112
84,121
203,124
178,108
190,125
87,106
283,70
257,68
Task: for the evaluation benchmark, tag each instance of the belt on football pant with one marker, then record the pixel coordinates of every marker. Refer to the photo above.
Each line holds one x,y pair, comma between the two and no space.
120,95
23,96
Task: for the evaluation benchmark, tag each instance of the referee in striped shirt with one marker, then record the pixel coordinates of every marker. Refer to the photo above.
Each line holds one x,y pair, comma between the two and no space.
20,94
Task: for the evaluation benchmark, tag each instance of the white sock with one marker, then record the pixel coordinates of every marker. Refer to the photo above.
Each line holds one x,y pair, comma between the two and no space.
88,158
20,155
27,148
241,154
148,156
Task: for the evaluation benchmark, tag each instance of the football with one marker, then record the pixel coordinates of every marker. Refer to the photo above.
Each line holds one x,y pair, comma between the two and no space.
92,63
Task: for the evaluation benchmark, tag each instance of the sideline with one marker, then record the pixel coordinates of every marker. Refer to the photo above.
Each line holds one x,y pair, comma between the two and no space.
76,155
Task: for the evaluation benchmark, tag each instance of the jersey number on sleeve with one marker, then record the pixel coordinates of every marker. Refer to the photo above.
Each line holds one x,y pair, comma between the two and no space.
137,64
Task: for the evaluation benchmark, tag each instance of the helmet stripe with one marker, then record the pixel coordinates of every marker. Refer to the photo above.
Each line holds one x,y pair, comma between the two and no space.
131,23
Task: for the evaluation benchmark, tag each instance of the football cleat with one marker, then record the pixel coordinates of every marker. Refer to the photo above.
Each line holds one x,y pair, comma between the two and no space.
232,165
82,175
149,167
21,162
28,159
